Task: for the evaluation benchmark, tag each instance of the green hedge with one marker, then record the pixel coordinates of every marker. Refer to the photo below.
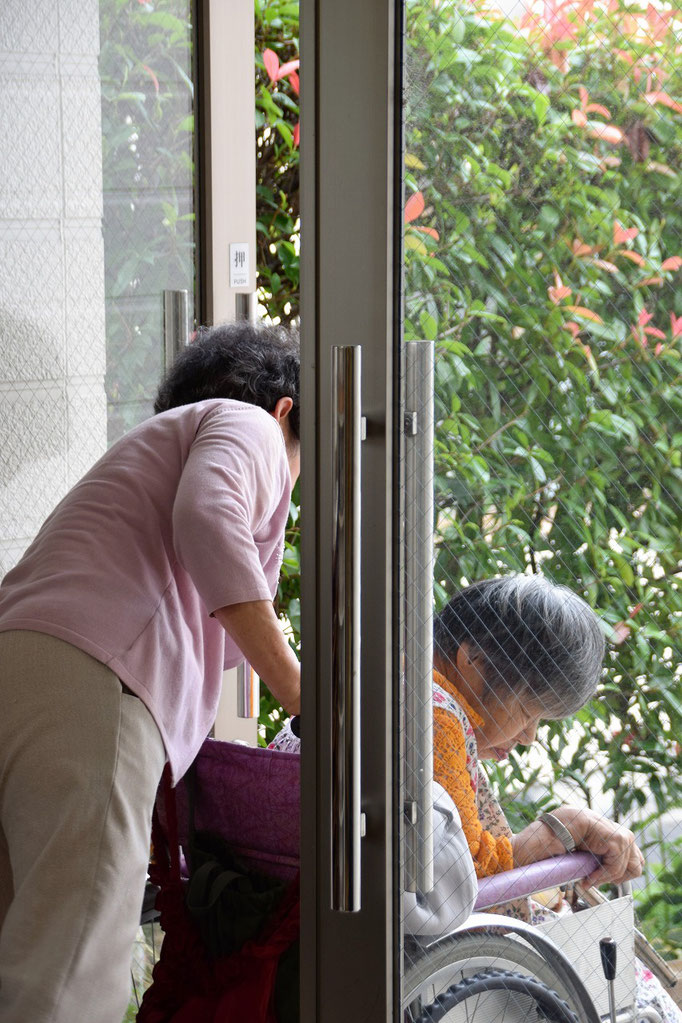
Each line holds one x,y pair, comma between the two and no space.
543,256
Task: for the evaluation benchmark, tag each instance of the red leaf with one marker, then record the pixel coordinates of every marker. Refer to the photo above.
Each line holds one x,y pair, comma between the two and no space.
606,132
286,69
559,291
676,325
664,99
654,332
294,82
153,78
658,23
579,248
588,314
673,263
604,264
597,108
427,230
271,62
633,257
620,633
414,207
297,133
579,118
623,234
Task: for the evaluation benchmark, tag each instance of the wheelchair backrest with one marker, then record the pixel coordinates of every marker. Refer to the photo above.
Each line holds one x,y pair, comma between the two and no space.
249,797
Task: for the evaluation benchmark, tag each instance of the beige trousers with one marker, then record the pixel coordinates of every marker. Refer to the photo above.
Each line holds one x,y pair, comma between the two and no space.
80,762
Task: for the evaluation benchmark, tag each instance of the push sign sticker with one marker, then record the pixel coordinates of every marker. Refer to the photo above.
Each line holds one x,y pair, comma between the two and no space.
239,265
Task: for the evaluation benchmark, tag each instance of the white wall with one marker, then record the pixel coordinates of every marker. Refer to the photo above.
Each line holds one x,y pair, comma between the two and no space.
52,341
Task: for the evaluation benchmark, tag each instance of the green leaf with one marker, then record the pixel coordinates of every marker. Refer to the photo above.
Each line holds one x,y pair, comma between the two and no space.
429,326
541,105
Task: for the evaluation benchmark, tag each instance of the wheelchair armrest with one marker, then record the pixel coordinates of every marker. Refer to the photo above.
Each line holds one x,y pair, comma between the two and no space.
536,877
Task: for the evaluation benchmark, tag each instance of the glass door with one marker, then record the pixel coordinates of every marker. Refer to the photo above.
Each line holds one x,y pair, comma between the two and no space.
541,240
148,179
491,190
96,222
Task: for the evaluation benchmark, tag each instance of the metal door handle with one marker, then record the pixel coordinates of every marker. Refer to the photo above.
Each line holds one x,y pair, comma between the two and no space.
419,358
175,325
248,691
345,732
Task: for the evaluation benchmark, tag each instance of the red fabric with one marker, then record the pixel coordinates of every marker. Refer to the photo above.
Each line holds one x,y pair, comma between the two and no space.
186,986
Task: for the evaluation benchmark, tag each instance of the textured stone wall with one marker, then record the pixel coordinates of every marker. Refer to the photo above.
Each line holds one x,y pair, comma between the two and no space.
52,332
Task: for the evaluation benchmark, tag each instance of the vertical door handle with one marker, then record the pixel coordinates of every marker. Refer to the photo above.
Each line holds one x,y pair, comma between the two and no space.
345,733
175,325
248,691
419,419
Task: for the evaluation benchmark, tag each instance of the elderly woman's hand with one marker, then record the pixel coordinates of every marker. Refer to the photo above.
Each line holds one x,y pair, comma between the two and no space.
613,843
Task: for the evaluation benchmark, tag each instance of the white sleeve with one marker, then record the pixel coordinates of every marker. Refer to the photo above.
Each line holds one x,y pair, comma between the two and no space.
451,901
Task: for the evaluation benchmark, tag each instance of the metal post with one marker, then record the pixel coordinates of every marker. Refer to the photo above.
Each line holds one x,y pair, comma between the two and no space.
175,325
245,306
248,691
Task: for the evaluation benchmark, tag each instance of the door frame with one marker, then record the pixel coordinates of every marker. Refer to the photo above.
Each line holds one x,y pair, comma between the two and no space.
225,148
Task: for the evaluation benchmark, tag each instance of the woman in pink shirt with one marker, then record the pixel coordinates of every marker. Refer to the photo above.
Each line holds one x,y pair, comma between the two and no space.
155,572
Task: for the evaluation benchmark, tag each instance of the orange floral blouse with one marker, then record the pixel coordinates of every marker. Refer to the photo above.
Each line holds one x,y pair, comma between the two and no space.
455,767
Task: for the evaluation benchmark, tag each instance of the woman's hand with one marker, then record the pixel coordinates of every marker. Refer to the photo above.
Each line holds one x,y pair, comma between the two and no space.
613,843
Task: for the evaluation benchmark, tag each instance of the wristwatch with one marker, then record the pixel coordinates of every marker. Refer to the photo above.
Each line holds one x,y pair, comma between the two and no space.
559,830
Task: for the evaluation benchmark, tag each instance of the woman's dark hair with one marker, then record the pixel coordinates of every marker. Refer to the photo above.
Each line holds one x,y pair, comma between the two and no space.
250,362
536,639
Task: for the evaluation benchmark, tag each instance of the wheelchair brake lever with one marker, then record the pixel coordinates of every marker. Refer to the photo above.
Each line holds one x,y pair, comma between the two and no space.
608,951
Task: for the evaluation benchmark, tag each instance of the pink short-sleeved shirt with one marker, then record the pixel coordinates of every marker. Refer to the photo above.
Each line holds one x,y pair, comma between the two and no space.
184,515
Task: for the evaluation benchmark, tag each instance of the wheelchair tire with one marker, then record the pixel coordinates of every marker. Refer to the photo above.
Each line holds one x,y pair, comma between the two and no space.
456,958
523,994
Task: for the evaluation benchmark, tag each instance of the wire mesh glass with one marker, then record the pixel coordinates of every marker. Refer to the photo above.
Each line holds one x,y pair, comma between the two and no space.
97,220
543,253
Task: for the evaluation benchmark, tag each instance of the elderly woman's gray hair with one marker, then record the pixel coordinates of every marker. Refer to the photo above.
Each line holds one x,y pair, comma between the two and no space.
536,639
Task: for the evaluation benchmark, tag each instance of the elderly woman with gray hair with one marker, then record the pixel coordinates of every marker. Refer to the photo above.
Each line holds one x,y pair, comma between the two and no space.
510,652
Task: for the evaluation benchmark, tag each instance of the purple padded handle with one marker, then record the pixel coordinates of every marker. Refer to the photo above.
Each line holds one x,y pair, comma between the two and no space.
523,881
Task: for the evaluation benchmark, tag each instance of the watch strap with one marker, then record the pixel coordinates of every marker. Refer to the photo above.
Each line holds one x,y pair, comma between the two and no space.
559,830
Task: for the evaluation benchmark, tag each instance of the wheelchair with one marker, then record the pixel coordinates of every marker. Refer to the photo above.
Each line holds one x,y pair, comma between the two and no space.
494,968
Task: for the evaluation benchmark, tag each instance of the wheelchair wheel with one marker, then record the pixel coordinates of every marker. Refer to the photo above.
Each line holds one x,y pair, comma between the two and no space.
497,996
430,973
